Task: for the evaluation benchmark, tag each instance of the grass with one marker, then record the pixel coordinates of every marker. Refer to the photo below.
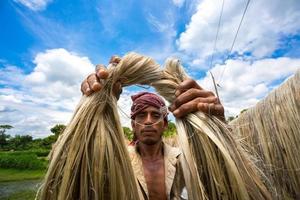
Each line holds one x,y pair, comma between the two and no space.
20,175
17,169
22,160
21,195
16,176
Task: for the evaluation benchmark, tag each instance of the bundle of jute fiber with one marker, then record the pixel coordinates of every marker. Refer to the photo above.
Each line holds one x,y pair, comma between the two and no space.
272,129
90,159
215,165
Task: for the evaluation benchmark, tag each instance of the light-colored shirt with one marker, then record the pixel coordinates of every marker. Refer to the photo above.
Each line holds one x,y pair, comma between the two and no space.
174,180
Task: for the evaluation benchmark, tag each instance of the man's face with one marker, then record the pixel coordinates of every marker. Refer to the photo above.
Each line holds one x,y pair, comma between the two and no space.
149,125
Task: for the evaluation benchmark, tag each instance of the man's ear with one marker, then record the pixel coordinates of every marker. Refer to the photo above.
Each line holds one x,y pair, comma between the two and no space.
132,124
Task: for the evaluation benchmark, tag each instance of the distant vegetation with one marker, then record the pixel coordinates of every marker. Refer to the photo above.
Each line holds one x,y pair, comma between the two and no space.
24,158
26,142
24,152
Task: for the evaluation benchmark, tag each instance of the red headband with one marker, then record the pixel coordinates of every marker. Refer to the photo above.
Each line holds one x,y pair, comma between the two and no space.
142,100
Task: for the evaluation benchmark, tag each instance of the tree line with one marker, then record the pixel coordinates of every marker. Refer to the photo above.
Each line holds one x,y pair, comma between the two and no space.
26,142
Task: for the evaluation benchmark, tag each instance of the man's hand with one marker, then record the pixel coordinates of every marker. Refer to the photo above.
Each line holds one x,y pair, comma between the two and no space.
190,97
93,82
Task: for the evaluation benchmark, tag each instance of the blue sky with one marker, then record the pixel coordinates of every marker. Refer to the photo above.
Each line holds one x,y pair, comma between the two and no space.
49,46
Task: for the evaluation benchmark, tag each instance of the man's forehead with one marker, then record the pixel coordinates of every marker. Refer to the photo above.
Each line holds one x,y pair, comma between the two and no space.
151,109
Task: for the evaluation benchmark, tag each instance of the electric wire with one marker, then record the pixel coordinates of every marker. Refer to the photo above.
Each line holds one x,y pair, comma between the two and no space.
234,40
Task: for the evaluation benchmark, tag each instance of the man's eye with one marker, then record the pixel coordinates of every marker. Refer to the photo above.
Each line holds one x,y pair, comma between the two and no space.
157,115
140,115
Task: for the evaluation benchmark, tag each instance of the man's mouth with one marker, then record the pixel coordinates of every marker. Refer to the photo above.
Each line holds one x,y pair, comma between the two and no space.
145,131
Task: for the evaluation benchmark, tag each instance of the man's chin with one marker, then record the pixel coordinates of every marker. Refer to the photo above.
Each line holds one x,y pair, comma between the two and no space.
149,141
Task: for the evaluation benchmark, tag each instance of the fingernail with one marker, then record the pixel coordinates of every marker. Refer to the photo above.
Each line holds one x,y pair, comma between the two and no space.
96,86
115,59
87,90
102,74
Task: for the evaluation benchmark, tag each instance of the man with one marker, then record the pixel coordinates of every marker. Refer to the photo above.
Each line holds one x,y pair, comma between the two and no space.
156,164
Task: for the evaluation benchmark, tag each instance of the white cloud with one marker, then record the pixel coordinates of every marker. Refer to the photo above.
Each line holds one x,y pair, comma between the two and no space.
40,103
58,74
49,94
11,75
124,106
45,97
35,5
244,83
265,22
10,98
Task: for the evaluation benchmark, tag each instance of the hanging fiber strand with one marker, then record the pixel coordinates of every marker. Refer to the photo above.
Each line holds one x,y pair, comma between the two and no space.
272,129
209,150
90,159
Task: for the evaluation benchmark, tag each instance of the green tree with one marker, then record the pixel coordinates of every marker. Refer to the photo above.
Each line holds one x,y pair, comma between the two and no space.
171,130
4,137
128,133
36,143
20,142
58,129
47,142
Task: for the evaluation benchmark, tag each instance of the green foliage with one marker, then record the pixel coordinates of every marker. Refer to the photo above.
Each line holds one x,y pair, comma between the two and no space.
21,160
8,175
48,141
20,142
40,152
128,133
23,195
3,140
58,129
171,130
4,137
5,126
26,142
230,118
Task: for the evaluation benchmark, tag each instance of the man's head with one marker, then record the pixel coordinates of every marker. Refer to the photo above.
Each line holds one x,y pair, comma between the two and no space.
149,117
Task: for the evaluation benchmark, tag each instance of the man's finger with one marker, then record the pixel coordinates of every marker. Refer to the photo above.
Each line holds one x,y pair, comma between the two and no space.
200,95
94,83
219,111
185,109
101,71
211,109
185,85
115,59
85,88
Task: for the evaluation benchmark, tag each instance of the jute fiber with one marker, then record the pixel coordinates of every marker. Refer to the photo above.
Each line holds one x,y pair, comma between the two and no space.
90,159
217,167
272,129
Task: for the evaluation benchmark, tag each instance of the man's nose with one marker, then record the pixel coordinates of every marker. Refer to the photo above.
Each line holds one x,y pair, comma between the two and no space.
148,119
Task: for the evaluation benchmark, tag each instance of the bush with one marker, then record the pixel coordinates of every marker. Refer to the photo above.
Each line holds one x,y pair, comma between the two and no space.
21,160
40,152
